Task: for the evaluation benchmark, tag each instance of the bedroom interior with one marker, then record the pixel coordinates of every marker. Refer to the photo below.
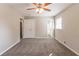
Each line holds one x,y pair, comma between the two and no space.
39,29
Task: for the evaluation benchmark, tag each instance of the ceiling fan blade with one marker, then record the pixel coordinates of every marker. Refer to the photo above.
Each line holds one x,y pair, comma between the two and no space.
38,5
46,4
31,8
35,4
46,9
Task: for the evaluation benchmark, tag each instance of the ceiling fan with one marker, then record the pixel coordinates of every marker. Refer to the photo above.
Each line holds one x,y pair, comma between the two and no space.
40,7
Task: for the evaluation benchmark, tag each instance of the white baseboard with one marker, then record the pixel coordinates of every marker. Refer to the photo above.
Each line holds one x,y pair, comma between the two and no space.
68,47
39,37
10,47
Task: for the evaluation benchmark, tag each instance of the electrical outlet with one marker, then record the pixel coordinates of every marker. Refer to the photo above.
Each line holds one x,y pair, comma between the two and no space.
64,42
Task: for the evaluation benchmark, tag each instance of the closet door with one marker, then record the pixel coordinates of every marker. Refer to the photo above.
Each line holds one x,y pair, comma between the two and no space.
29,28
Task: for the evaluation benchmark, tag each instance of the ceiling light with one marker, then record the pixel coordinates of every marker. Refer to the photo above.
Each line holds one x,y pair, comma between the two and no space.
40,7
39,10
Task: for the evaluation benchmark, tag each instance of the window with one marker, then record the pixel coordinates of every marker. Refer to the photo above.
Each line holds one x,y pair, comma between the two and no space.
59,23
50,27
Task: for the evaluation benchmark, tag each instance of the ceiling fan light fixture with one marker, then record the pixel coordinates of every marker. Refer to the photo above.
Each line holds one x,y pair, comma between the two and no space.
40,7
39,10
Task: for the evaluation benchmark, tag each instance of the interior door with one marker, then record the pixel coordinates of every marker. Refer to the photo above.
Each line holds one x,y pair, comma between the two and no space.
29,28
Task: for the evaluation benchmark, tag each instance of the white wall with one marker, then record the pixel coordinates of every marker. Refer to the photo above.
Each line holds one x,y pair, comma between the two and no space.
9,27
70,32
40,25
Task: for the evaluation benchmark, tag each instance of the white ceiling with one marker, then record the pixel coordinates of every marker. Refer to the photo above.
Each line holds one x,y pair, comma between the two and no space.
55,9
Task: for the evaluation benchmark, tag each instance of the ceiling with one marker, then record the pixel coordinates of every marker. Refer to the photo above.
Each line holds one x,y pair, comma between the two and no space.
55,9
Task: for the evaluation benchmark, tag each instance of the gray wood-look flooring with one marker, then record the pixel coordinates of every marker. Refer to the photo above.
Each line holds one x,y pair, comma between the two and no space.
39,47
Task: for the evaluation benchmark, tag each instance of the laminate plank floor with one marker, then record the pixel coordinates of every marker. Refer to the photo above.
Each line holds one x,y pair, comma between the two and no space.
39,47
